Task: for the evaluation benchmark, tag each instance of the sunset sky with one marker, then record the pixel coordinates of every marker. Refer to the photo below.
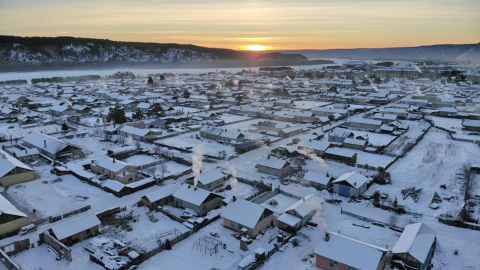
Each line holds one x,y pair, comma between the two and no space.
275,24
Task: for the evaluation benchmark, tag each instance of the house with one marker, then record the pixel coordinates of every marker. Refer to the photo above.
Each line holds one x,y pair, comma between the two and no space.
51,147
243,147
471,125
343,253
76,230
416,246
139,134
209,180
355,143
386,118
24,154
362,123
297,215
338,135
114,169
59,110
317,180
316,147
219,134
352,184
272,126
200,200
11,219
160,197
13,171
240,214
274,166
290,131
341,155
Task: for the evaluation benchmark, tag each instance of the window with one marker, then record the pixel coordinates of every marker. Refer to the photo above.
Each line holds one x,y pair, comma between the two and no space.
351,268
234,224
332,264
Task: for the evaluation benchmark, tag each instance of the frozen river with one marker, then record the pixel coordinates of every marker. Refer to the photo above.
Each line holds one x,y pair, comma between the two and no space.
4,76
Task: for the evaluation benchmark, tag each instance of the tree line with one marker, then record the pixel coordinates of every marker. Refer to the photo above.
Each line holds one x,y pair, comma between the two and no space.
81,78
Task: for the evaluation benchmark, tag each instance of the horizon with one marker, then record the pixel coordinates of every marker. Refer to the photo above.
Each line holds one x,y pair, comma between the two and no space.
251,25
265,50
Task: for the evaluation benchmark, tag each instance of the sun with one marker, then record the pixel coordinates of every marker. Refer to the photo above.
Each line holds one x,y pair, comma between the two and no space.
256,47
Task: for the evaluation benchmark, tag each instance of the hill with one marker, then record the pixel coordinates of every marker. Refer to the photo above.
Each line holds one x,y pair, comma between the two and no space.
36,53
447,52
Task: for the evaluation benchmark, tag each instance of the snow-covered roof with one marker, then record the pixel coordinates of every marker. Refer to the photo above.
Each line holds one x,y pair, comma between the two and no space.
111,164
272,162
45,142
23,152
316,177
314,145
355,179
8,163
340,152
162,193
191,194
134,130
288,219
416,239
113,185
355,141
243,212
210,176
307,204
8,208
350,252
75,226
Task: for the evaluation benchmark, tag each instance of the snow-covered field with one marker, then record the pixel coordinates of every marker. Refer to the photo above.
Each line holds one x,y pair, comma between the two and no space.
435,161
19,132
416,128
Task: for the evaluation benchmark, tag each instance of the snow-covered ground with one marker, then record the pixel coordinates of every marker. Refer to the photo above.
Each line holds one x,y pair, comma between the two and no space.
436,160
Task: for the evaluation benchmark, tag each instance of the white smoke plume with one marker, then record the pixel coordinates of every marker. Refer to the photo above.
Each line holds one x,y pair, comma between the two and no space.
418,91
306,83
269,86
230,169
197,160
235,82
314,157
374,87
206,107
317,217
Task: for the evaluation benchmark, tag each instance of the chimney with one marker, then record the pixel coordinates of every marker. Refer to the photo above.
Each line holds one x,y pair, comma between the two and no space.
189,186
234,198
45,143
195,189
268,157
113,160
327,237
92,161
26,152
355,183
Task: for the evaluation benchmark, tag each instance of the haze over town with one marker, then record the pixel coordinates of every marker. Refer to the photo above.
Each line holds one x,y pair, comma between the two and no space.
212,135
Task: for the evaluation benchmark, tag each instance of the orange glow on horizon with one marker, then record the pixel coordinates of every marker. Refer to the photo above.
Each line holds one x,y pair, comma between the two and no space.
255,48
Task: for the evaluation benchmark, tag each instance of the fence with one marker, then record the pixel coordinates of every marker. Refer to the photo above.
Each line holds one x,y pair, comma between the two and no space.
46,238
8,262
52,219
16,247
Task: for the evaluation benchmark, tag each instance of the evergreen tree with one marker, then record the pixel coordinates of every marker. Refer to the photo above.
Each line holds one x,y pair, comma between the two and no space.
168,245
117,115
64,127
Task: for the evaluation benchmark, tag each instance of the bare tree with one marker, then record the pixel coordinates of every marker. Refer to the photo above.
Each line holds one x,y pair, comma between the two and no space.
392,219
163,170
157,149
138,144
